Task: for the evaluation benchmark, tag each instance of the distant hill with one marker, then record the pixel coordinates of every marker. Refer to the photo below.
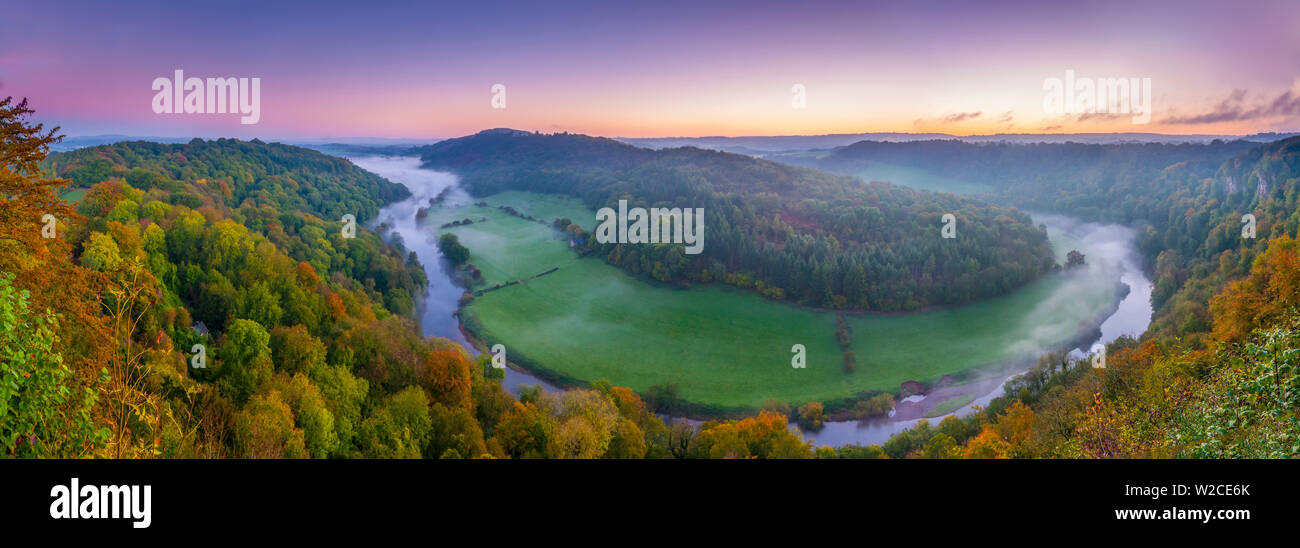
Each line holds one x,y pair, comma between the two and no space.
336,145
1092,181
765,145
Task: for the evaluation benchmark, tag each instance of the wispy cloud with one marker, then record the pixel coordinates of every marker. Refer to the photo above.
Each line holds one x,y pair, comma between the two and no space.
1234,108
949,119
961,117
1101,116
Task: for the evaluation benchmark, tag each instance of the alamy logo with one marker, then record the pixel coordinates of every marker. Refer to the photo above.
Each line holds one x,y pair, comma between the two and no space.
1097,356
656,226
216,96
1087,96
102,502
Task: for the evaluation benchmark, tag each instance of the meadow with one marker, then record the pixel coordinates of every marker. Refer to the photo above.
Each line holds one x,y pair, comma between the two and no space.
729,350
507,248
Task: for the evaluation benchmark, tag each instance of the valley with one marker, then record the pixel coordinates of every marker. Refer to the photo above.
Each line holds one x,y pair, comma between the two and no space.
727,351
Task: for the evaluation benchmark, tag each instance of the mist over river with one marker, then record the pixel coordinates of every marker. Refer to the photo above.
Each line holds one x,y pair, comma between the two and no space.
441,300
1109,249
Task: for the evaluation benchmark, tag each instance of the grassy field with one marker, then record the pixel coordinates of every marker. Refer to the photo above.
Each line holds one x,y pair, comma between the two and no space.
928,345
546,207
731,349
508,248
73,196
919,178
589,321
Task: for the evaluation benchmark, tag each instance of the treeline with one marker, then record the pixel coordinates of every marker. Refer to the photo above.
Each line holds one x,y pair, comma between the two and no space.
1096,182
788,233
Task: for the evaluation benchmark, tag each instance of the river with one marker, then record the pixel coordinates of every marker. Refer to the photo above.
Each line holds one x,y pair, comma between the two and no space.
1111,246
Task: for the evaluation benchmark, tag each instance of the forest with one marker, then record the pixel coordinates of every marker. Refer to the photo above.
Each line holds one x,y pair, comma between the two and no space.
201,301
785,232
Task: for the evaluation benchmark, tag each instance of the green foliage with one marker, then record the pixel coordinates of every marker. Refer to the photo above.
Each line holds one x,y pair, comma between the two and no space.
42,413
811,416
245,359
101,253
450,247
1248,407
264,429
399,428
296,179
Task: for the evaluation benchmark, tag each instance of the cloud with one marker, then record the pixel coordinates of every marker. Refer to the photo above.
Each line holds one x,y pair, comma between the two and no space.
1234,108
1090,116
1006,117
961,117
950,119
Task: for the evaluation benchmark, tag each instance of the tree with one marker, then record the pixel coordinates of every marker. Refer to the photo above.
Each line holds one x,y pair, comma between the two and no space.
524,431
400,428
311,414
245,358
454,434
586,422
264,429
294,350
1074,259
100,252
449,245
810,415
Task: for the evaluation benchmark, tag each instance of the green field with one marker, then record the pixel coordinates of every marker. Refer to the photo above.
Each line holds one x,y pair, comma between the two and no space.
919,178
506,248
546,207
73,196
729,349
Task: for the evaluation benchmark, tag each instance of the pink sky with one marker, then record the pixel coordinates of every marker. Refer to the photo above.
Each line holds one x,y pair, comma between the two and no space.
660,69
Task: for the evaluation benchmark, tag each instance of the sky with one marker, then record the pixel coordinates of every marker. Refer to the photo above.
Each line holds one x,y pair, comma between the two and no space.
654,69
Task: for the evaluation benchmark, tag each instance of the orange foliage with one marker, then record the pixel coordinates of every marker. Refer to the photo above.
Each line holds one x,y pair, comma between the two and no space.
764,436
987,445
307,276
43,265
445,374
335,303
1016,424
628,402
1263,297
